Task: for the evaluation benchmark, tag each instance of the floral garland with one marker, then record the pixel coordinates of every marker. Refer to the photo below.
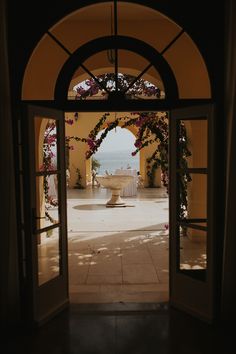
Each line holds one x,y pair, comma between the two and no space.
140,87
151,128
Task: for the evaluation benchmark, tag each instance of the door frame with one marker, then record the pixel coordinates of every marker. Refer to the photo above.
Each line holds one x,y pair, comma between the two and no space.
36,311
207,286
101,106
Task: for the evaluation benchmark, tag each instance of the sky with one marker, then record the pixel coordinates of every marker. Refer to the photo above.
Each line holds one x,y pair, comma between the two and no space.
119,140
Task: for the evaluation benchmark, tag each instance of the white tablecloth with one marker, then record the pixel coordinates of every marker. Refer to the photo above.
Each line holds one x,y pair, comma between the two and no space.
131,189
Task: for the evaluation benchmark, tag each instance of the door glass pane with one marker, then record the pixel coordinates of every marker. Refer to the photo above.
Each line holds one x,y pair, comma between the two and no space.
146,24
131,62
193,250
130,66
104,60
192,143
148,86
85,87
74,88
144,89
84,25
47,212
48,255
45,144
192,195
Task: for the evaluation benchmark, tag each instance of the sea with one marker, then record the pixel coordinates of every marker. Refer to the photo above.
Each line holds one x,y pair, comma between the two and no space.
112,160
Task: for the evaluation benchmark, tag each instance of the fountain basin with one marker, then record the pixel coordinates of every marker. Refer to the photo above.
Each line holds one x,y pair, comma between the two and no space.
115,183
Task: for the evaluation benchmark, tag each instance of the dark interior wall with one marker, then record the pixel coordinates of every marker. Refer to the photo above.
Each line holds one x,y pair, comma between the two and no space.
9,289
229,260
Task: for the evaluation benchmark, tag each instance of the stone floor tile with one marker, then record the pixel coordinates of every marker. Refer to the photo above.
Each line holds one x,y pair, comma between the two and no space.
139,273
104,279
108,268
136,256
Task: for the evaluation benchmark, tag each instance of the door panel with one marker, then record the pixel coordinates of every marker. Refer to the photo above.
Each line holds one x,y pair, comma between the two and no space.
191,200
45,203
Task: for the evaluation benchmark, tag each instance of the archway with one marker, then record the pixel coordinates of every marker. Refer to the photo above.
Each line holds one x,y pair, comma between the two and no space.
174,48
81,127
112,249
179,84
112,155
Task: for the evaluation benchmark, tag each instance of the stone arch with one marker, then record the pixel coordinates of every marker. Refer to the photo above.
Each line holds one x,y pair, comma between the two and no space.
82,129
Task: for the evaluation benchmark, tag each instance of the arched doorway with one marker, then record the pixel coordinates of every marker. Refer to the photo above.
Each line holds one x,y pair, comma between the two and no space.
77,150
166,57
119,154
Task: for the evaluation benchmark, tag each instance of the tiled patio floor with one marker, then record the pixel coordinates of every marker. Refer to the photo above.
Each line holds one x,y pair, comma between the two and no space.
118,254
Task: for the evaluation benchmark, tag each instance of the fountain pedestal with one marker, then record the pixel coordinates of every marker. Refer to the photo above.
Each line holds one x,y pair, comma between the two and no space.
115,198
115,183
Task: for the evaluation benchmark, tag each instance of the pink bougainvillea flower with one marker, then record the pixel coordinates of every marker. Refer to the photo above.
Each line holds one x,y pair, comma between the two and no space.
94,90
133,153
80,90
107,124
138,144
91,143
51,139
139,122
69,121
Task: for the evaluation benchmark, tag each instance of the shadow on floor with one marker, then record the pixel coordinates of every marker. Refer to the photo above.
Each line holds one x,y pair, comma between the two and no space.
90,207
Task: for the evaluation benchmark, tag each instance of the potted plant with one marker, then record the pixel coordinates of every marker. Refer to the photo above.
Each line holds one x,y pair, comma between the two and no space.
78,184
95,166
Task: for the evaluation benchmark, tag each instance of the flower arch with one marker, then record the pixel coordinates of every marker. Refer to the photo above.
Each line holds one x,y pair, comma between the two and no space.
152,128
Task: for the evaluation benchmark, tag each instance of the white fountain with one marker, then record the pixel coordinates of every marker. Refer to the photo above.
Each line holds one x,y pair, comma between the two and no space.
115,183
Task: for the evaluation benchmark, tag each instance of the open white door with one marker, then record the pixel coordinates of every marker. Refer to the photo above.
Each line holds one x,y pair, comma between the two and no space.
191,199
45,229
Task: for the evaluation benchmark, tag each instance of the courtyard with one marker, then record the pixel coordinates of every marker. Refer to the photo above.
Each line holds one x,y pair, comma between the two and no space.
118,254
